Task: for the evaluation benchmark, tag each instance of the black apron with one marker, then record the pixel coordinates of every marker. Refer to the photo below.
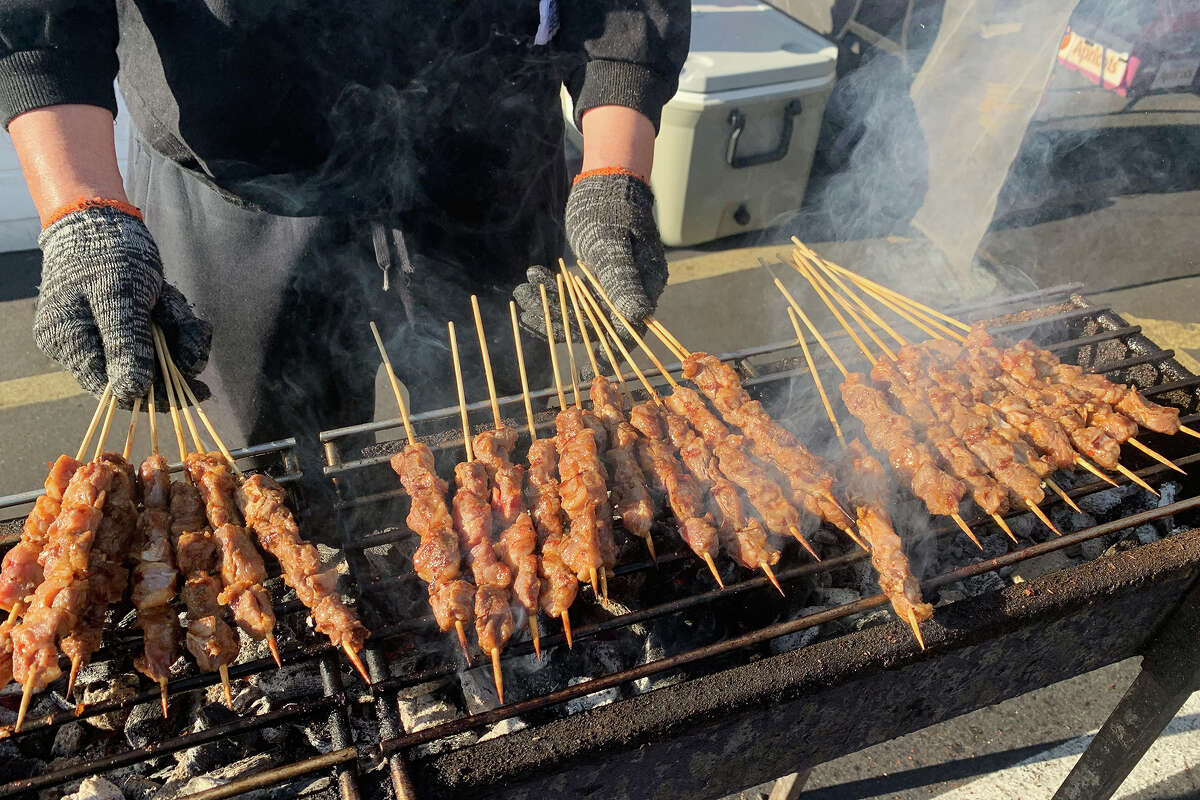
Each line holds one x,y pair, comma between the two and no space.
290,297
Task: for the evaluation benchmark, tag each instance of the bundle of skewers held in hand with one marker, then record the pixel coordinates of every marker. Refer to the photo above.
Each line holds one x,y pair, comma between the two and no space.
956,413
86,544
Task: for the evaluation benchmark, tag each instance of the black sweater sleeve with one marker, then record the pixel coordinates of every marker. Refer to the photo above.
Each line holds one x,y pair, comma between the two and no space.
634,50
57,51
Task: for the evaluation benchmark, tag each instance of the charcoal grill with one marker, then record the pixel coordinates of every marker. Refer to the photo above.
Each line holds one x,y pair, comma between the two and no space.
726,712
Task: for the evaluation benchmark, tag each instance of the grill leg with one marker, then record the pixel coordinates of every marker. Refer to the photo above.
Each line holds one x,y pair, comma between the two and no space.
1170,673
789,787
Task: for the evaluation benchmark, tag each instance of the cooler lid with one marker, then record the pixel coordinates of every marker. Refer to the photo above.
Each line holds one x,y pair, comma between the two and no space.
739,45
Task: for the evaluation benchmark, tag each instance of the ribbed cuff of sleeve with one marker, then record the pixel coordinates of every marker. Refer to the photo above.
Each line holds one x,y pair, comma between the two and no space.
32,79
619,83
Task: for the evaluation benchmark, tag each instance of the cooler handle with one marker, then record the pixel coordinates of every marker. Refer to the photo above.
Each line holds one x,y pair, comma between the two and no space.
737,124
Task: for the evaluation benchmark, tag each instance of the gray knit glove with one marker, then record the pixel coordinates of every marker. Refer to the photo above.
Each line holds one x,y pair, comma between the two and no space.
610,227
102,285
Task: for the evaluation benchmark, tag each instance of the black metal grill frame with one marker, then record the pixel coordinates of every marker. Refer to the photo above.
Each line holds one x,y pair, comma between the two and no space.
1058,625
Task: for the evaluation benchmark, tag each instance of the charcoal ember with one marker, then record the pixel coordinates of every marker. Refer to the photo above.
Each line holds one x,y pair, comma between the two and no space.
138,787
1093,548
290,682
146,725
203,758
69,740
504,727
116,689
96,788
1068,520
219,777
16,765
1102,503
879,616
424,706
949,595
836,596
247,698
589,701
801,638
987,582
1146,534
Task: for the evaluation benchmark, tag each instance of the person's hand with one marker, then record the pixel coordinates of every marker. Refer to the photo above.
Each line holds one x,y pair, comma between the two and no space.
611,229
102,288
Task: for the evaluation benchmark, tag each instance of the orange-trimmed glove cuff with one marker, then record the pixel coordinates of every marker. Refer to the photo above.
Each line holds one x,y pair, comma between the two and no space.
85,203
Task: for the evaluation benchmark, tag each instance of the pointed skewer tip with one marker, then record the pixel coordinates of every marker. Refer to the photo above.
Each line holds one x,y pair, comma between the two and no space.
916,628
76,663
1157,456
497,674
770,573
1189,431
566,621
273,646
650,547
536,634
26,696
462,641
798,536
712,567
1003,525
1135,478
962,524
162,691
359,667
1041,515
224,670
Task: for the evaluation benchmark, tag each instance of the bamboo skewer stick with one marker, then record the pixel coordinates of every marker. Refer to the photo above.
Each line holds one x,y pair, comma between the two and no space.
1135,478
651,322
516,329
583,334
812,368
815,282
181,383
1189,431
106,426
832,277
613,362
101,404
487,362
152,424
821,284
1092,468
858,278
566,323
1157,456
598,313
491,386
395,384
1066,498
562,400
133,417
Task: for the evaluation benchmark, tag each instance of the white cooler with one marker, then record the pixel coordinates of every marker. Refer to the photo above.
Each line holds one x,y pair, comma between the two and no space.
736,141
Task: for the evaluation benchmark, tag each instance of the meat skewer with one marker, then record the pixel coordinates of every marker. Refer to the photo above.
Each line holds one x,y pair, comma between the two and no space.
661,468
559,586
517,539
632,500
730,457
473,522
437,560
866,485
1162,419
62,598
21,571
588,549
209,638
155,577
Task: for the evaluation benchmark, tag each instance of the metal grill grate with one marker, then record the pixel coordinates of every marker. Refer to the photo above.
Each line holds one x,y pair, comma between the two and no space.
733,713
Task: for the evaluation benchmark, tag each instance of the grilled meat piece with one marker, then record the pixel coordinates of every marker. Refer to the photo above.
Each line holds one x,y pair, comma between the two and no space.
473,521
667,477
583,493
866,486
628,485
21,572
61,598
209,639
154,573
242,569
558,582
516,544
262,502
892,433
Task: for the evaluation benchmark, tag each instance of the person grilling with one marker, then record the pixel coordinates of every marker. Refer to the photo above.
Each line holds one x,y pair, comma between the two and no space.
299,168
